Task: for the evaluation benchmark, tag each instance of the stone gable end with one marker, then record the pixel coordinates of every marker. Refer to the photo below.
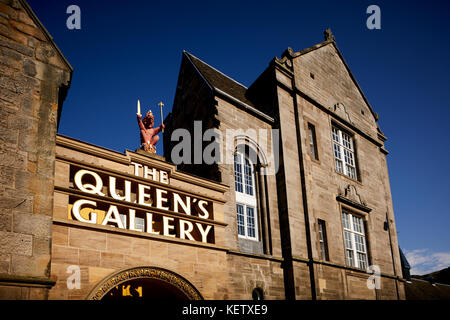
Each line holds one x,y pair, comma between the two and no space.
322,75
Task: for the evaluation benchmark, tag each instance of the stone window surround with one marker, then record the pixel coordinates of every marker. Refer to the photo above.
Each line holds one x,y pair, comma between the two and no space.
246,200
352,134
245,145
364,215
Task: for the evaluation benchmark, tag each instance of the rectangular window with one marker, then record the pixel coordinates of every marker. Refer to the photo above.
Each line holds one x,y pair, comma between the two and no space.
246,221
240,219
248,175
355,240
323,243
251,230
344,153
139,223
246,201
312,141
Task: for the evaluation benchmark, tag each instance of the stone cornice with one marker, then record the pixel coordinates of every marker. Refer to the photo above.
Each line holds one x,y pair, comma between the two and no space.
140,234
353,204
130,156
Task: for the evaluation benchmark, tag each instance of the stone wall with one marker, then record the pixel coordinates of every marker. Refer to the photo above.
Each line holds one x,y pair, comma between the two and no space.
319,81
215,269
34,78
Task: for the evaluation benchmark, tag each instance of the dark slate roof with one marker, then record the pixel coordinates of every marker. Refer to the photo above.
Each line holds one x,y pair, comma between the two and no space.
218,80
403,259
424,290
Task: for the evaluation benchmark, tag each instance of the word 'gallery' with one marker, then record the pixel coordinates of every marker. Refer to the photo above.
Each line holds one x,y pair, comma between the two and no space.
85,222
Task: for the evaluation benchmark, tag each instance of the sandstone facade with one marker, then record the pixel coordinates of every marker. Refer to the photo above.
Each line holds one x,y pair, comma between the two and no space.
34,78
299,194
311,88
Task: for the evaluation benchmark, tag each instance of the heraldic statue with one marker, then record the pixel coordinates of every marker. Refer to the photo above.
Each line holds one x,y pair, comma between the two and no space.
149,135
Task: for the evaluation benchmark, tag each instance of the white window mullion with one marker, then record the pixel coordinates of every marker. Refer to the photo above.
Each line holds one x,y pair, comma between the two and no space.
344,163
246,198
352,237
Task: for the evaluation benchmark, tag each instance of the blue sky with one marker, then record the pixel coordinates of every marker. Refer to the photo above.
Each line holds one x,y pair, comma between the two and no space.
133,50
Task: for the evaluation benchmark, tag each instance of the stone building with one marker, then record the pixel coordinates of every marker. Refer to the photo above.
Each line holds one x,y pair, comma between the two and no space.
327,211
34,79
297,208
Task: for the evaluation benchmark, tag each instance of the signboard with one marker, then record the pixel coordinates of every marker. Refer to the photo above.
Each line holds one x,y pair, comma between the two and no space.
147,203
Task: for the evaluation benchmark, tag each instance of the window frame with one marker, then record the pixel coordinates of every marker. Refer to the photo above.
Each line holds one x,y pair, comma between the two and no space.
312,137
246,200
353,233
324,254
343,151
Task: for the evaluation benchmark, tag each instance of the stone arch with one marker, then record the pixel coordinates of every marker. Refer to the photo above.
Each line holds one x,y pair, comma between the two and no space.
250,147
159,276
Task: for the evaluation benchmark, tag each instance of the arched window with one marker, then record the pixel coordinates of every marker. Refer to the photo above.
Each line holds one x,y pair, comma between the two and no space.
246,203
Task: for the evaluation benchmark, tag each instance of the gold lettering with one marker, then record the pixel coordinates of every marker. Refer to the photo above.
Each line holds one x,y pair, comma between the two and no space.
203,232
178,201
139,291
76,211
167,227
160,199
113,192
126,291
186,232
136,168
164,177
201,205
113,216
150,172
142,195
87,187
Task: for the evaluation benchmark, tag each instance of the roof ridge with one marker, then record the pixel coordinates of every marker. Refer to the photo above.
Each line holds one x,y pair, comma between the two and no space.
215,69
189,56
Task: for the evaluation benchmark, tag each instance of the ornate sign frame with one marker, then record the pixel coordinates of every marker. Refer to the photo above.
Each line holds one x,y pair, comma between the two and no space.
102,288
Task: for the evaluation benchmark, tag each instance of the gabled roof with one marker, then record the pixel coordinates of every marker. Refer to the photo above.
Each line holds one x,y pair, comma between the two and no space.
225,86
329,39
219,80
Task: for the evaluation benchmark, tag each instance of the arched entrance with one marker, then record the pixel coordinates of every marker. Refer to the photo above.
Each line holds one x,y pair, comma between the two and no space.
145,283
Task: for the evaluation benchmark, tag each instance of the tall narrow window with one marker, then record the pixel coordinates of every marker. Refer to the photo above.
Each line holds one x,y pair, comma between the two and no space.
323,243
355,241
344,153
312,141
238,173
246,208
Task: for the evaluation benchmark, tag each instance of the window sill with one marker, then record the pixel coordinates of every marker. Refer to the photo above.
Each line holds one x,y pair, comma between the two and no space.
347,177
314,160
247,238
